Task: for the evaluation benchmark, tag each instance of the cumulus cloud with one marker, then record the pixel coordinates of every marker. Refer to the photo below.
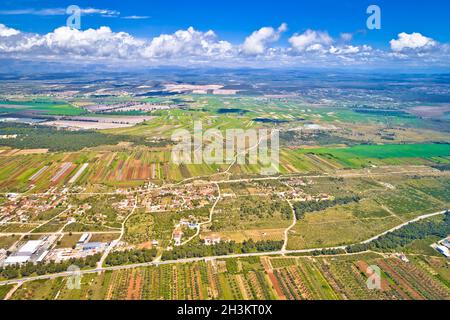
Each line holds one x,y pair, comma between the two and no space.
195,47
100,42
188,42
256,43
7,32
310,40
104,43
413,41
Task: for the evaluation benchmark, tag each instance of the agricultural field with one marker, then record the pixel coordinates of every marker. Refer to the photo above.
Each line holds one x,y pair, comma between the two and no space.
40,107
376,155
288,278
155,229
382,206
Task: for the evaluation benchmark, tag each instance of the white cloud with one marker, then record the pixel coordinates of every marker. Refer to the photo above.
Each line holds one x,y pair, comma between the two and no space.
68,42
100,42
60,12
194,47
256,43
346,36
7,32
413,41
310,40
136,17
188,42
344,50
104,43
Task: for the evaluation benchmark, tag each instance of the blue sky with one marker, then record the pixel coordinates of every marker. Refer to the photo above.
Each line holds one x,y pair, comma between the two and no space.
233,21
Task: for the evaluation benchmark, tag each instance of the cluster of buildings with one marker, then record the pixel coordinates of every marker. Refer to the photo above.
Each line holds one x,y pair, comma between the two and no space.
34,251
44,250
24,208
191,224
187,198
82,249
184,224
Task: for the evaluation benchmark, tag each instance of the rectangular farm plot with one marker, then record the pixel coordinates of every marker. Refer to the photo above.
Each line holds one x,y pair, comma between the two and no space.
36,176
62,172
79,173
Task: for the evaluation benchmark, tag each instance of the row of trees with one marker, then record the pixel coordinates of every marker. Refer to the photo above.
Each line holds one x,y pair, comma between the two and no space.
328,252
221,249
301,208
406,235
29,269
130,257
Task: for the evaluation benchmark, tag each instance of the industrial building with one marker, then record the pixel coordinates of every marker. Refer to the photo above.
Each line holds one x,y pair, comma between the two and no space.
444,251
84,238
25,253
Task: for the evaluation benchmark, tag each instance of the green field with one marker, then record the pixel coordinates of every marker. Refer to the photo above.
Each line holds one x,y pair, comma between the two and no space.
362,154
44,107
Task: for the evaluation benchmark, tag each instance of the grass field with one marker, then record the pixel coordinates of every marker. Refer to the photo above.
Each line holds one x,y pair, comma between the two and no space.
4,290
7,242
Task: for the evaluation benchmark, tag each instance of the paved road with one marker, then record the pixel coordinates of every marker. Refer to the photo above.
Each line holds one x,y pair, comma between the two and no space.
190,260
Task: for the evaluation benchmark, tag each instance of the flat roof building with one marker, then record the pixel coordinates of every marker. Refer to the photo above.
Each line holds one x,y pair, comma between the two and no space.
29,248
446,243
83,238
12,260
93,246
443,250
42,256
